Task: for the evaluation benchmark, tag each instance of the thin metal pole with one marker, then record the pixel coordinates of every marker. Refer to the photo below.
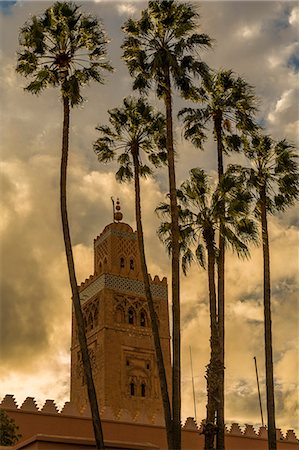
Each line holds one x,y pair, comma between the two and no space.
113,209
258,388
194,402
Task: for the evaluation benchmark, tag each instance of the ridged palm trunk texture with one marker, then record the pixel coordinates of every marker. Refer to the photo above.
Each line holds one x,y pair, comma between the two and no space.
212,381
268,325
175,263
73,282
149,298
220,444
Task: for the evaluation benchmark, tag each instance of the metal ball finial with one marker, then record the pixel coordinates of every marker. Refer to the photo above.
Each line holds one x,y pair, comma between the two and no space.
118,214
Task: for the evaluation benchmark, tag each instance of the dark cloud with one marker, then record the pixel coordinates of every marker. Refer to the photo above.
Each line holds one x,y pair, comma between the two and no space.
293,61
23,333
24,296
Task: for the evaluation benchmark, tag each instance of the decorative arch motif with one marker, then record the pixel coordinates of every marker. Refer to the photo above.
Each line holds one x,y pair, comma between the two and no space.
138,383
122,262
129,310
133,387
143,389
91,315
119,314
132,263
143,318
126,248
92,348
131,315
101,251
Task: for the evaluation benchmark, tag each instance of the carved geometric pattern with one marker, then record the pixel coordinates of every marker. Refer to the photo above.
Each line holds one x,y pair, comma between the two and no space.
130,310
102,250
138,374
92,356
101,253
91,315
121,284
125,248
122,234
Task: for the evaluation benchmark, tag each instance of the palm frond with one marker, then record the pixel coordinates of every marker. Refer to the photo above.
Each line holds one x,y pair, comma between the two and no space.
200,255
274,169
134,127
165,37
124,173
49,49
187,259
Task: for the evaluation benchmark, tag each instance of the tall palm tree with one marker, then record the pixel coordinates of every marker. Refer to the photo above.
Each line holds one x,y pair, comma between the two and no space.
65,48
136,128
273,177
201,217
228,103
161,49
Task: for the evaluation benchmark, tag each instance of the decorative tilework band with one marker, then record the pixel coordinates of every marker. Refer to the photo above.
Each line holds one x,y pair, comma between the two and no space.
121,284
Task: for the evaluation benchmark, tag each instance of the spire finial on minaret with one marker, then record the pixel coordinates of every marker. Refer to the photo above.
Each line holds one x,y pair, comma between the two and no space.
113,208
118,214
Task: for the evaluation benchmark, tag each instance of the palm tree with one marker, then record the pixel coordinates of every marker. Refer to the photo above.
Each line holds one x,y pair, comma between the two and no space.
201,217
274,179
160,49
67,49
228,104
135,127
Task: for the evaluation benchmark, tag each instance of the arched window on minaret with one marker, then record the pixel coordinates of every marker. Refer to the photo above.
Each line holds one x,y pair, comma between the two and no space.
143,389
131,316
132,389
131,264
100,267
122,262
96,315
90,321
120,314
143,319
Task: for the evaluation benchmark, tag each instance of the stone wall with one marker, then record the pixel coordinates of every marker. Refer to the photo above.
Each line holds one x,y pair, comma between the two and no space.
49,420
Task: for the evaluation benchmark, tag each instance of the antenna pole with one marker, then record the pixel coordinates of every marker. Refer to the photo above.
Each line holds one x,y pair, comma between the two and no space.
194,402
258,389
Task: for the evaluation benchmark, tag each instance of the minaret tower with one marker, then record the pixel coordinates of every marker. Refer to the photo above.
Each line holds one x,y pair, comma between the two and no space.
118,327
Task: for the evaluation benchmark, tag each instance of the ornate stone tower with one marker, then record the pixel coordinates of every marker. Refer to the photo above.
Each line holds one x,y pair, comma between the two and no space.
118,328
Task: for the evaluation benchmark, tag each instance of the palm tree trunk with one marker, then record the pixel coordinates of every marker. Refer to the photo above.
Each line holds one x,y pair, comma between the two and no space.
221,297
212,381
175,266
268,325
153,315
73,282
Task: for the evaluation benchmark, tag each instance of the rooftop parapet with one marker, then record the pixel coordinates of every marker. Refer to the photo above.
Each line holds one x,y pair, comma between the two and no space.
49,408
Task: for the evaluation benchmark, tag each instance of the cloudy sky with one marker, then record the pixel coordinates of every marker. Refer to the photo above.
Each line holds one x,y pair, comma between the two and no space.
255,39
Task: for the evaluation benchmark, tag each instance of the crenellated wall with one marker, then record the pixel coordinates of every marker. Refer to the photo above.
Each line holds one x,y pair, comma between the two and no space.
49,420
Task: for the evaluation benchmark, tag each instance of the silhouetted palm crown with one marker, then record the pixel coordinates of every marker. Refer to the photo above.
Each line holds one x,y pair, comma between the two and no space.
63,47
134,127
161,41
274,169
230,100
200,211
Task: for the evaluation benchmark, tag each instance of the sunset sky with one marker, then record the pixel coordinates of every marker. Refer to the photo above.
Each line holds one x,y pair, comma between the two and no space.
255,39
